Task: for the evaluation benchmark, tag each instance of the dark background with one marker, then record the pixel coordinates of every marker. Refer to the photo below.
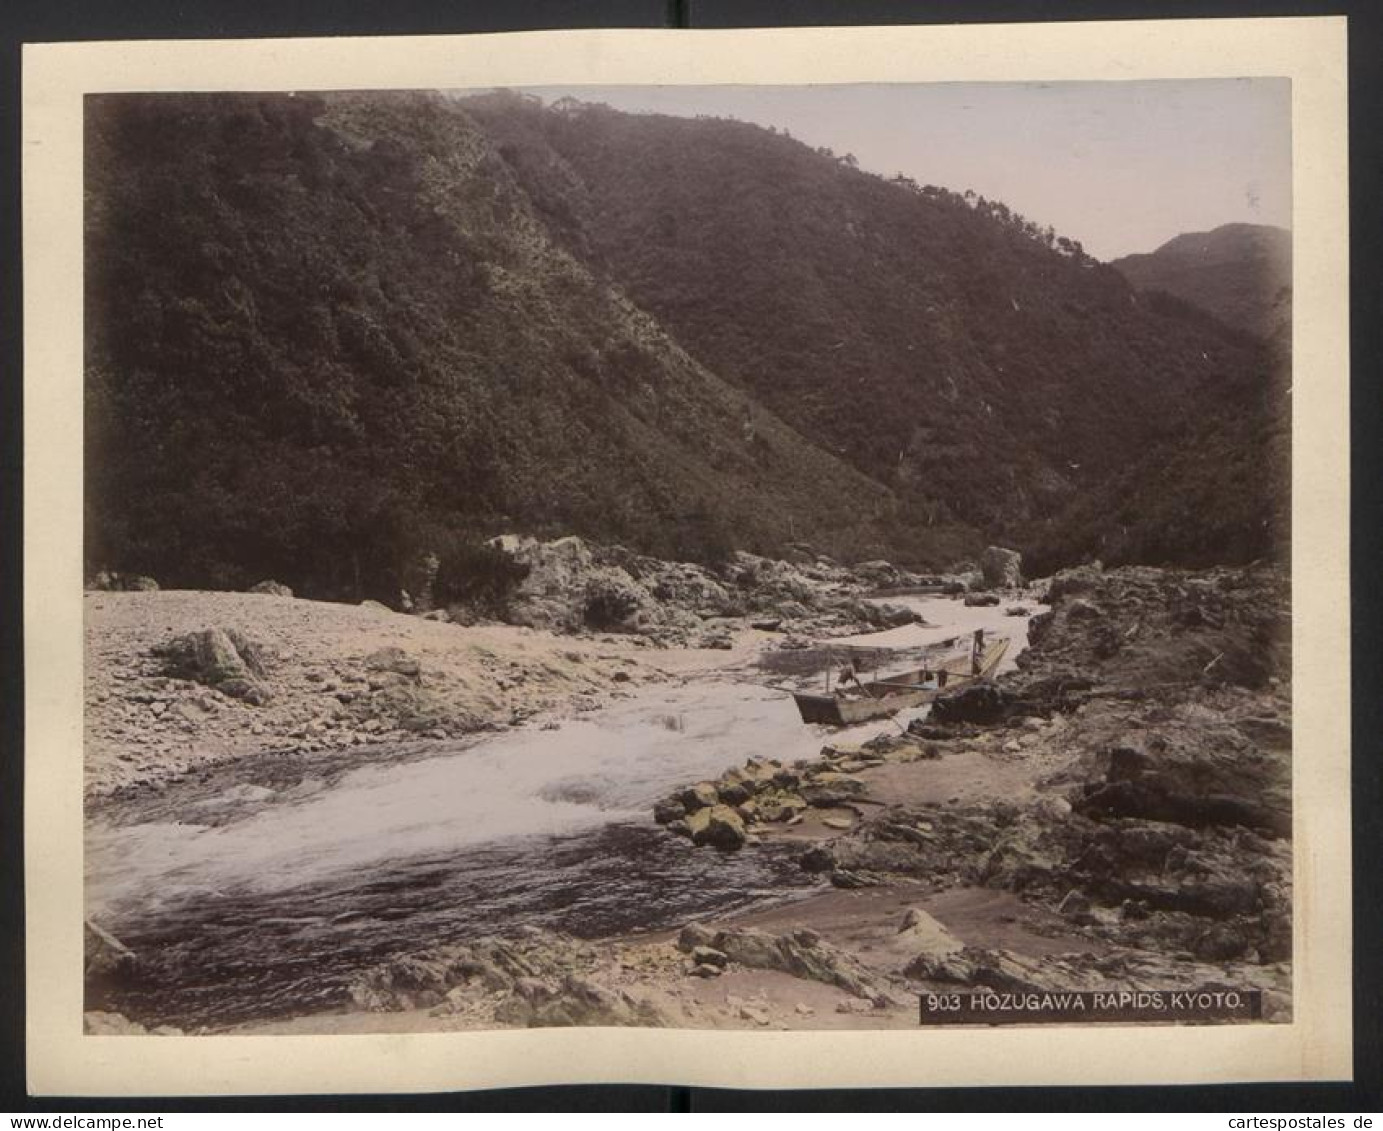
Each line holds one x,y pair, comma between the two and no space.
55,20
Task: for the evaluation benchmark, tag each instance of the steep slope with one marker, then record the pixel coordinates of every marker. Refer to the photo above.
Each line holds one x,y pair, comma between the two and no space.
1220,492
325,334
1241,273
984,369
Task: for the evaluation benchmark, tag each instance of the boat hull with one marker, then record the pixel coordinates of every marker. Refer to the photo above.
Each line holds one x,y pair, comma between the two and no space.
885,697
830,710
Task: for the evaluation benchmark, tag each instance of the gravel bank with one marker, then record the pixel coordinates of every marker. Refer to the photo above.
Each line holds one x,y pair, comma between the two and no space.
143,726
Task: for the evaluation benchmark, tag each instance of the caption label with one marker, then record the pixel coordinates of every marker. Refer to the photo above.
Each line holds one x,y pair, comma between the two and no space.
996,1007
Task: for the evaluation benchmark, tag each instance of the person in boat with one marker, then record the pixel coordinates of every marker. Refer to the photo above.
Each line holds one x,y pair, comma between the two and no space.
848,674
977,652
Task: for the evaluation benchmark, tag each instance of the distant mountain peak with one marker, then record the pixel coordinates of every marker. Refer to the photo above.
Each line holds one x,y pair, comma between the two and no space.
1238,272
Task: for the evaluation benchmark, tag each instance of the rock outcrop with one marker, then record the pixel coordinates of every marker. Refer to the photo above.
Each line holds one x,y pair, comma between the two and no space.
491,964
718,826
222,659
1156,704
801,953
1002,569
538,979
106,957
724,812
575,586
573,1000
271,588
104,1023
111,582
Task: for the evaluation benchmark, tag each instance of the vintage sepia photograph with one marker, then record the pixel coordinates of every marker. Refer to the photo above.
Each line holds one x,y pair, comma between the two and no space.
809,557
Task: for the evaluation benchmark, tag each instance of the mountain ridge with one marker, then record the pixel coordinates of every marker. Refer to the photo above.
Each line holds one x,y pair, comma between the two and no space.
1240,272
514,337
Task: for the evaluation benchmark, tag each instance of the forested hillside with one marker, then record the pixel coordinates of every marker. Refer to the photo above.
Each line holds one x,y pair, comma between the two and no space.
1219,492
327,333
1241,273
986,370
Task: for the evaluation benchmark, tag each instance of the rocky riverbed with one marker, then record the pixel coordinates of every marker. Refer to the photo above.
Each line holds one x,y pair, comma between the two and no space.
1114,813
180,680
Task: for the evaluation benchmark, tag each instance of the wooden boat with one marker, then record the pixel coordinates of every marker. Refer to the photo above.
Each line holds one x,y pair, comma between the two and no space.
856,703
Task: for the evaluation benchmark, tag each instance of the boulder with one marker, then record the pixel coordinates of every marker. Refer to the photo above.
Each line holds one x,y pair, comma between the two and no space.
708,956
980,600
219,658
552,566
375,606
924,935
669,810
968,578
778,807
723,828
734,792
695,935
817,859
575,1001
785,779
395,660
702,795
248,690
888,614
1074,581
879,573
801,953
100,1023
106,956
829,789
552,593
272,589
683,584
1002,569
756,1013
426,977
613,601
982,702
768,582
719,637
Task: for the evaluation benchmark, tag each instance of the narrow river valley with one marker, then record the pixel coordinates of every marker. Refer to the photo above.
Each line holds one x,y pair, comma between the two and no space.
258,891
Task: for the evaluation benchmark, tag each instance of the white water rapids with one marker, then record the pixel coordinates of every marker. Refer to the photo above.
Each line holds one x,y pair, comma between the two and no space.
528,826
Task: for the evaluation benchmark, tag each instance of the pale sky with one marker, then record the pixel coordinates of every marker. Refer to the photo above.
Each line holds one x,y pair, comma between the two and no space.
1120,166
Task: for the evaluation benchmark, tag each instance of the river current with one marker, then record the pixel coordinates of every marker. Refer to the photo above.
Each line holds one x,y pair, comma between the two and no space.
272,912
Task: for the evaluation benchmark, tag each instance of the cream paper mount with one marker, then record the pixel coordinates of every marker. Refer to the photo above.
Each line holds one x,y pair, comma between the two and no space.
1315,1045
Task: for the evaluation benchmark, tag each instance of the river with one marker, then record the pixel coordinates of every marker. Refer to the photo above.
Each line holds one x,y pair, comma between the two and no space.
262,901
